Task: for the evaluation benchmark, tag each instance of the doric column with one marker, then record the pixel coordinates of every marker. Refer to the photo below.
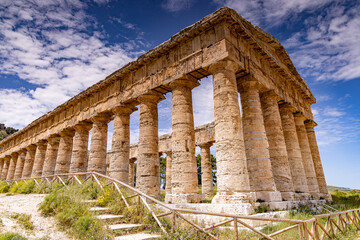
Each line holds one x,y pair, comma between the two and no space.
277,147
310,124
306,155
120,147
168,185
98,145
79,150
232,174
51,155
256,143
29,161
131,171
293,150
64,153
5,168
20,164
39,159
1,167
148,163
184,181
206,170
12,166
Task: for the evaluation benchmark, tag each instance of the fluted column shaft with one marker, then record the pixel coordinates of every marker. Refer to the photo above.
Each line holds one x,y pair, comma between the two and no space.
293,149
168,186
1,167
277,146
12,166
120,147
98,145
232,173
64,153
256,143
184,181
306,155
316,156
51,155
5,168
20,164
79,150
39,159
207,188
131,171
29,161
148,163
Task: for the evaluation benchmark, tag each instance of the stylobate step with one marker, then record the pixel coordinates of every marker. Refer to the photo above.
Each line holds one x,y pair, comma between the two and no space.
138,236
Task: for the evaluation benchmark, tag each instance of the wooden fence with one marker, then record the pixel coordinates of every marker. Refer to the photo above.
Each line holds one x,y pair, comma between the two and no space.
307,229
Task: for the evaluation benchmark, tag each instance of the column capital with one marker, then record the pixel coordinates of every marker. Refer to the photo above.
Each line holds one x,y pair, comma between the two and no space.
31,147
310,123
270,96
83,126
151,96
68,132
102,117
299,118
41,143
126,109
224,65
184,81
287,107
53,138
249,83
168,153
132,160
205,145
14,154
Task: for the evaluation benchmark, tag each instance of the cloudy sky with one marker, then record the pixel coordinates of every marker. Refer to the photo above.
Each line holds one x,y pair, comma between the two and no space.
52,49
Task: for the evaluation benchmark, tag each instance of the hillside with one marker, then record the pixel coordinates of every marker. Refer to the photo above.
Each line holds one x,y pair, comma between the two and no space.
6,131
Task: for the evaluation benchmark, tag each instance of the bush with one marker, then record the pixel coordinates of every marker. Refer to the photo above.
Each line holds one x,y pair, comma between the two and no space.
24,220
4,187
11,236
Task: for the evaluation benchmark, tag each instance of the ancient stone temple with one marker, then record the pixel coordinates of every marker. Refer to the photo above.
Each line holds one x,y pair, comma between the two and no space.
266,147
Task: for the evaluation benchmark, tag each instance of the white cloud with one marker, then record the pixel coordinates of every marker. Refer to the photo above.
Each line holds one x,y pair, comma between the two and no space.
271,11
57,47
176,5
203,102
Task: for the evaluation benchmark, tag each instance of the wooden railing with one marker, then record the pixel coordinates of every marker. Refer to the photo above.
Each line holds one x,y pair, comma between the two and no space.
307,229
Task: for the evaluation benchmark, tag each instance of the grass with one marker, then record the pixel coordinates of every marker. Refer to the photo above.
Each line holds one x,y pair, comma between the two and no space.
24,220
11,236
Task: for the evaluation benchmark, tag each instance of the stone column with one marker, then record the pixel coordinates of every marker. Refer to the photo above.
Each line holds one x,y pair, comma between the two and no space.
79,150
131,171
64,153
98,145
1,167
51,155
168,172
184,181
12,166
293,151
20,164
39,159
29,161
206,170
310,124
120,147
5,168
277,147
148,163
256,143
232,174
306,155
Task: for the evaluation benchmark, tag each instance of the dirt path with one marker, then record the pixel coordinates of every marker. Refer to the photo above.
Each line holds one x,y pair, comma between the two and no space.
44,228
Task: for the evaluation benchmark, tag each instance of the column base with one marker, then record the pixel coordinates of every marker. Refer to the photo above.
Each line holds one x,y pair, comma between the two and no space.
268,196
234,198
183,198
288,196
315,196
302,196
326,196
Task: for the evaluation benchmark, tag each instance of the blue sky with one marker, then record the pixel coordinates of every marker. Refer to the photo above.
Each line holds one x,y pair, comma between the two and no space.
52,49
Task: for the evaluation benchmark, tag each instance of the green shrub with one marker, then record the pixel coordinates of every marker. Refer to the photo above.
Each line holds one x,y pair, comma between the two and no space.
88,227
24,220
4,187
11,236
26,187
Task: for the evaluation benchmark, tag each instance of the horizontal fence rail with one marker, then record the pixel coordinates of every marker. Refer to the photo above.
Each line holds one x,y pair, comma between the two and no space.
307,229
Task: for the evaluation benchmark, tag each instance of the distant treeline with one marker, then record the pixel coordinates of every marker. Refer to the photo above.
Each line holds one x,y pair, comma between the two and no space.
6,131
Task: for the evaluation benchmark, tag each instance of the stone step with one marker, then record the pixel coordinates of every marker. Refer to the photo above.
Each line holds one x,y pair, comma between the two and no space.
123,226
138,236
99,209
109,218
90,202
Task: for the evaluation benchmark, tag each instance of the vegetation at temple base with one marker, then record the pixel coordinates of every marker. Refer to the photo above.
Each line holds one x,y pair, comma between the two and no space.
6,131
11,236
